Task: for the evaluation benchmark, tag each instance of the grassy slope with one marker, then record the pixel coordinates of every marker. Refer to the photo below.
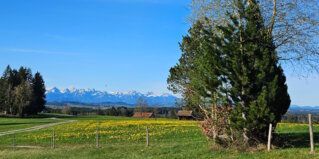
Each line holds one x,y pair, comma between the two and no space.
182,146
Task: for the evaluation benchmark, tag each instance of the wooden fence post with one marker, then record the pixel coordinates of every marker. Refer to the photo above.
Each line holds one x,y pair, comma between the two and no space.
97,137
311,134
269,137
147,141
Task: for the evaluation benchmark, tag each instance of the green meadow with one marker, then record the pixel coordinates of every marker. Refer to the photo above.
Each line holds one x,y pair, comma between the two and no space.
121,137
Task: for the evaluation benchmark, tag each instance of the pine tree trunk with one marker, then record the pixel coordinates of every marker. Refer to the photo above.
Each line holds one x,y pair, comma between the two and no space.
215,115
242,89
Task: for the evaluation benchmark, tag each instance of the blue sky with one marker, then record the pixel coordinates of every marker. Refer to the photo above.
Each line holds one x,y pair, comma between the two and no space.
113,45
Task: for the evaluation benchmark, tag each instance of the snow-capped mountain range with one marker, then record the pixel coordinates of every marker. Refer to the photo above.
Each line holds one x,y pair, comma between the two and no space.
95,96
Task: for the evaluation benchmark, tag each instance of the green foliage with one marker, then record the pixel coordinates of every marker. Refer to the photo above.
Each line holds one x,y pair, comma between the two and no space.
38,99
236,66
112,112
21,93
259,89
188,77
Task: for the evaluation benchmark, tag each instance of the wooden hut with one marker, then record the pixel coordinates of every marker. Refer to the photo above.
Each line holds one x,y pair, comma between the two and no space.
143,115
185,115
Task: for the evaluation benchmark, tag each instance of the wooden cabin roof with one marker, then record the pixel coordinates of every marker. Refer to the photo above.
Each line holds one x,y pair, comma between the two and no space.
142,115
185,113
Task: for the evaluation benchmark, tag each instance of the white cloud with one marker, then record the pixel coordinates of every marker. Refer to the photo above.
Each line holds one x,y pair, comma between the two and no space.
31,51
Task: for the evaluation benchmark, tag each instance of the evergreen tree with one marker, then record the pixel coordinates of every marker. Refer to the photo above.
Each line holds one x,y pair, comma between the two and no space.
236,67
7,73
113,112
7,94
179,80
258,85
2,94
38,94
184,76
24,74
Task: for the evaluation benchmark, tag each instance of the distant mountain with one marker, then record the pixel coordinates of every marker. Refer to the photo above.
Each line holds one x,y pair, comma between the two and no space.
92,96
294,108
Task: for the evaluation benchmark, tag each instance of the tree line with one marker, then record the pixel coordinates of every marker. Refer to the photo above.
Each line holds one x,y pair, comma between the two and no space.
231,74
161,112
21,92
300,117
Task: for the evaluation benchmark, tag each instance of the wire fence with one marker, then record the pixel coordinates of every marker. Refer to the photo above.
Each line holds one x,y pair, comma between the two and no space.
99,134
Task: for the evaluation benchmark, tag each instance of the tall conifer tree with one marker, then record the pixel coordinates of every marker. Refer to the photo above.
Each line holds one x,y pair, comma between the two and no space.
258,85
238,67
38,94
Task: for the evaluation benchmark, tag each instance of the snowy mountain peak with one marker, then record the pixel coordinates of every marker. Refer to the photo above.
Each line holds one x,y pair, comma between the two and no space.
53,90
94,96
152,94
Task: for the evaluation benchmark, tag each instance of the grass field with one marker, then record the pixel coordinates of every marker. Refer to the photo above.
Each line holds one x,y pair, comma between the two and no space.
125,138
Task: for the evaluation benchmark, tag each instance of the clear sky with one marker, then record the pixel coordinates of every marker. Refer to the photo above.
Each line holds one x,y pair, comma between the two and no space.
113,45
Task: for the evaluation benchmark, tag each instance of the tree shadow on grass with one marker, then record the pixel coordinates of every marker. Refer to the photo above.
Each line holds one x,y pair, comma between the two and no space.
295,140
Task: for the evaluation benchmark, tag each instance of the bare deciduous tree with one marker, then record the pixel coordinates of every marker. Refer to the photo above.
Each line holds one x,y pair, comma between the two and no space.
66,110
23,96
294,25
141,106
